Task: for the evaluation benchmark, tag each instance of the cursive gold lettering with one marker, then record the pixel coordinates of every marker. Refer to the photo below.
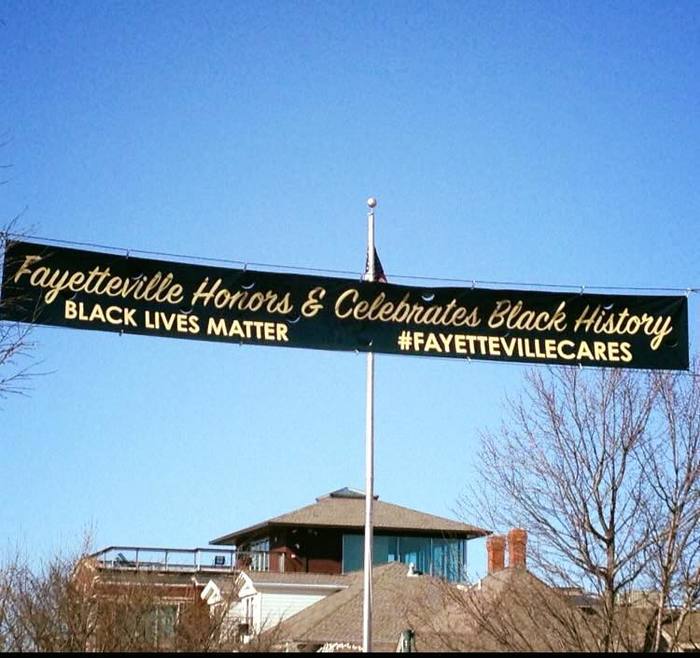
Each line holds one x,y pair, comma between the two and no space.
312,305
598,320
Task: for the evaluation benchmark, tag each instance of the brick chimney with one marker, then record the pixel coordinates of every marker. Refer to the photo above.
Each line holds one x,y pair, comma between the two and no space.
496,553
517,547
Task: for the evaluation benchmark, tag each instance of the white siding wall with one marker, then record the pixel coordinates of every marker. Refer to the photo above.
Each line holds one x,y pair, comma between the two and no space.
277,606
235,613
272,606
258,613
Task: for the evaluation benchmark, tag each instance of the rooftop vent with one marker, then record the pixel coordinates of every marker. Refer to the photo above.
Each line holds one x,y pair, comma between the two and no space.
345,492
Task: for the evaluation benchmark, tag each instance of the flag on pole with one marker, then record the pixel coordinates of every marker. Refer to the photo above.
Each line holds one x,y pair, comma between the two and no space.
379,275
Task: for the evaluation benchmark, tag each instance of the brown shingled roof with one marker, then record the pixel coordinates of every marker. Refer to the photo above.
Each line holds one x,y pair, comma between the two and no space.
338,618
512,610
348,511
689,635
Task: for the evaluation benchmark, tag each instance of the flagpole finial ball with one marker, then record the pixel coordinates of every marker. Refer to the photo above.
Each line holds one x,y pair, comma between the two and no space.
372,202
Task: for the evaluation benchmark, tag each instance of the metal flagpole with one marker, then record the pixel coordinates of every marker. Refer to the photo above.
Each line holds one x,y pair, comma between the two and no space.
369,453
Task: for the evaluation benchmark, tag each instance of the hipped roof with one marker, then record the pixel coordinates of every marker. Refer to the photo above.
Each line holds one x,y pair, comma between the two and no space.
346,509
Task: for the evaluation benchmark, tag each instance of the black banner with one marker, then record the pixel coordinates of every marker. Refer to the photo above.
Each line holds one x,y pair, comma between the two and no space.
90,290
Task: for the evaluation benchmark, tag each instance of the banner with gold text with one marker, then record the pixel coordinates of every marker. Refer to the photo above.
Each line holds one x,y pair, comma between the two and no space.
81,289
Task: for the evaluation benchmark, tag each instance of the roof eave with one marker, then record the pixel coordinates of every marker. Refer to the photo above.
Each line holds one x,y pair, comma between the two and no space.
228,539
470,533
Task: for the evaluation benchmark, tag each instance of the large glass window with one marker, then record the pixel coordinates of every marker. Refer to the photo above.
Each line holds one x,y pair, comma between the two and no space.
449,559
416,551
260,555
445,558
385,549
353,550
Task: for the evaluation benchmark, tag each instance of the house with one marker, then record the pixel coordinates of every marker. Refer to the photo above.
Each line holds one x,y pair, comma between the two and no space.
270,571
131,609
509,609
328,537
259,600
293,561
292,583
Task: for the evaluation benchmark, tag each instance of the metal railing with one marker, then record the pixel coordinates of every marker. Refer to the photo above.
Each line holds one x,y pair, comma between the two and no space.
183,560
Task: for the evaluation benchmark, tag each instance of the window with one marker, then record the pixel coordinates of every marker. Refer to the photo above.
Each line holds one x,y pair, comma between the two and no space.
260,555
445,558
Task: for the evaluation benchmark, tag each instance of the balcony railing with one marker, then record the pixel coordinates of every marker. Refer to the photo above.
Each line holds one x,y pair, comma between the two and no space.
182,560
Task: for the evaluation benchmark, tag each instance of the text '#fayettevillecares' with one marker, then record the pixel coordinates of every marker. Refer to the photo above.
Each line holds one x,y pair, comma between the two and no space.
82,289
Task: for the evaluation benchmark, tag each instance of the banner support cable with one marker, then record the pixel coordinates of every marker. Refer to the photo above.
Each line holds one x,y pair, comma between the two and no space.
525,285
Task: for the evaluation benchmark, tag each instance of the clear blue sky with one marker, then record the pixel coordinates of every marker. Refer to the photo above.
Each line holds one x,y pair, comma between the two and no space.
535,142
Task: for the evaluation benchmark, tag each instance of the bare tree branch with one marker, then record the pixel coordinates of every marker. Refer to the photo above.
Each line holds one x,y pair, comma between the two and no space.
603,469
17,367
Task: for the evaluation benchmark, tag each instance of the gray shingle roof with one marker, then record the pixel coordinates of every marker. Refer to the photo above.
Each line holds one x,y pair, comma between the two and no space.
338,618
511,610
349,512
689,635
